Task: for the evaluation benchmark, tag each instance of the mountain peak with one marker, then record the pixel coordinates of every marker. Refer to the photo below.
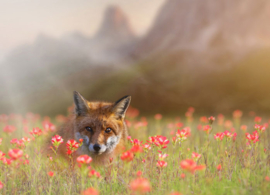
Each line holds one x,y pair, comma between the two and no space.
115,25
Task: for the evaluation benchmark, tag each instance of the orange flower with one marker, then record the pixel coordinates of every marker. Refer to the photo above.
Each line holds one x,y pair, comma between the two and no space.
90,191
243,127
140,185
15,153
203,119
158,116
84,159
191,165
136,149
237,114
175,193
127,156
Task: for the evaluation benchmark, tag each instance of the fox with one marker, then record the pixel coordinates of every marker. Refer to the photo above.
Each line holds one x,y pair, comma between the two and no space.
101,125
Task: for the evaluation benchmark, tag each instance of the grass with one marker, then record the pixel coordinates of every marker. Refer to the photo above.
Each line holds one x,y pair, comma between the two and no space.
244,168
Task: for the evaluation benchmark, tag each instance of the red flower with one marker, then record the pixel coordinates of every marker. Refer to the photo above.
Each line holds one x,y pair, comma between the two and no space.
219,136
211,119
15,153
260,128
257,119
175,193
162,156
26,139
72,146
84,159
191,165
36,132
196,156
140,185
207,128
93,173
161,141
48,126
50,173
253,138
127,156
161,164
90,191
220,119
14,141
136,142
147,146
6,161
267,178
228,134
9,129
243,127
136,149
203,119
219,167
183,134
237,114
158,116
57,140
2,154
1,185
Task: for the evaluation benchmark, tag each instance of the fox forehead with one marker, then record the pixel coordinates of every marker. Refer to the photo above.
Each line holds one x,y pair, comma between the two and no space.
100,116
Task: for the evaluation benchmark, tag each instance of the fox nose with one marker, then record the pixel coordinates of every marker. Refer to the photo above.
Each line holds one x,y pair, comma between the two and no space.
96,147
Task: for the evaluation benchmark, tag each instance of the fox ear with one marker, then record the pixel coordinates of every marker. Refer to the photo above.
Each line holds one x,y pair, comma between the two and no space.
120,107
81,106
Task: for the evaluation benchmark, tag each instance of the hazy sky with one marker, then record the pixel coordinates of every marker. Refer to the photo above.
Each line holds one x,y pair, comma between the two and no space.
22,20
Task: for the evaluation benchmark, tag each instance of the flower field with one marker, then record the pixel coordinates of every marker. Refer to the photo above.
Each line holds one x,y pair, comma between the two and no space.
189,154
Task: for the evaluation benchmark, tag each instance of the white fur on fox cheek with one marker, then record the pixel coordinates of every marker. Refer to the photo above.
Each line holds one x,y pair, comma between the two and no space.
112,142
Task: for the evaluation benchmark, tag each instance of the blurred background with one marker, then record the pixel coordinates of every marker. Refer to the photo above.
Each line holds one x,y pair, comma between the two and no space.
167,54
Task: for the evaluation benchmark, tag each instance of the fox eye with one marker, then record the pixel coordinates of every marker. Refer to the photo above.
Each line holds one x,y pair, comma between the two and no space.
89,129
108,130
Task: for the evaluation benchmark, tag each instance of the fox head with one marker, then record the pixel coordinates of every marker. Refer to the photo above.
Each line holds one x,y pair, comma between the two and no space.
101,125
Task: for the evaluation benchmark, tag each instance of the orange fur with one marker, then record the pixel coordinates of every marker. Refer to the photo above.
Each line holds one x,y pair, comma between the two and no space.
99,116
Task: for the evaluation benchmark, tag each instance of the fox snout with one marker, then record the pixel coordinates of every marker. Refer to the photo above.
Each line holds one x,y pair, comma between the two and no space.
97,148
